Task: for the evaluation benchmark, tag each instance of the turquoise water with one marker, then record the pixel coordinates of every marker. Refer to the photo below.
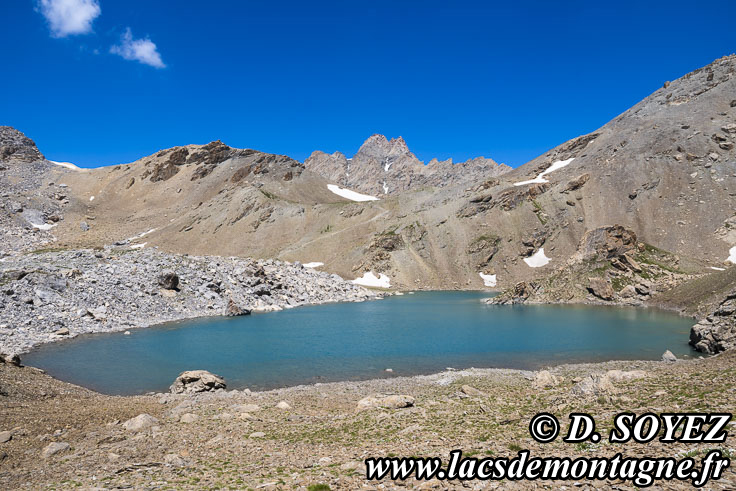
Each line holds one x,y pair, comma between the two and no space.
411,334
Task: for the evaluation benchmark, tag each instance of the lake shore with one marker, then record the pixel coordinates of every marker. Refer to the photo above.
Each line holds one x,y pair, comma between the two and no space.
323,432
54,295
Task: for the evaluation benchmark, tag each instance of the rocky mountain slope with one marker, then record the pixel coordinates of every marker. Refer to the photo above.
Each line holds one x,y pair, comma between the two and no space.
665,170
382,167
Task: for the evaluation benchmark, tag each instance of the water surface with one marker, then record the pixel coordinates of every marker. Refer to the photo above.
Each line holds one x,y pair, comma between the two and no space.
411,334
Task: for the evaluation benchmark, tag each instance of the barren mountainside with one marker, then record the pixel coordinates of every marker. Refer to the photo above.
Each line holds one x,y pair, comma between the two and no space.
665,169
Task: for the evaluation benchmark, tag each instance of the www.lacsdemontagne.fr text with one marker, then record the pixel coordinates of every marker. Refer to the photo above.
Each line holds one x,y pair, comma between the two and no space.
641,471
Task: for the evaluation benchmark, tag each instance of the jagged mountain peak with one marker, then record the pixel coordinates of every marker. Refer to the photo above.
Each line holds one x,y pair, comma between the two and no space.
379,147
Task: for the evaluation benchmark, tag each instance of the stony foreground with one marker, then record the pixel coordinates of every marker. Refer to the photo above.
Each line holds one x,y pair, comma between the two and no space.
49,295
62,436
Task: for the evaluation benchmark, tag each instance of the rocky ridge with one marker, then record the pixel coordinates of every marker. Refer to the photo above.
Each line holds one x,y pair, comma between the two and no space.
387,167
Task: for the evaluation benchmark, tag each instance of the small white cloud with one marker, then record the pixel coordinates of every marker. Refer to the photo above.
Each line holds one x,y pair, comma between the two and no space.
142,50
67,17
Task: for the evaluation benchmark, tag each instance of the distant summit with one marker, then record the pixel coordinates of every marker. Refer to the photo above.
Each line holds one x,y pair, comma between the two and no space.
382,166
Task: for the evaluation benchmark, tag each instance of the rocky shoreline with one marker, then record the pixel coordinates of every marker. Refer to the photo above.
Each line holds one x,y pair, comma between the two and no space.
60,435
53,295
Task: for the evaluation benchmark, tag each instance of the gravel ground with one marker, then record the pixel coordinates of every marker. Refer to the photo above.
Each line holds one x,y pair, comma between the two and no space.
242,440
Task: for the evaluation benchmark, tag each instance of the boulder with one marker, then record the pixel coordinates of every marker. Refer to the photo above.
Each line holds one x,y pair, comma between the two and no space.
606,243
193,381
54,448
10,359
283,405
246,408
631,263
621,376
544,379
387,402
594,385
717,331
600,288
472,391
169,281
140,422
5,436
62,332
188,418
628,291
669,357
233,310
576,183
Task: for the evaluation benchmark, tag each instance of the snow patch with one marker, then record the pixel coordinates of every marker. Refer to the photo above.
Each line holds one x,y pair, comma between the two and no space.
370,279
488,279
387,166
537,260
732,255
143,234
540,178
385,188
351,195
43,226
91,198
139,246
313,264
68,165
717,269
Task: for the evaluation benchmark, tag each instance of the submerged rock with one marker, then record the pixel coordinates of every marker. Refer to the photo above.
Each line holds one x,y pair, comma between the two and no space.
194,381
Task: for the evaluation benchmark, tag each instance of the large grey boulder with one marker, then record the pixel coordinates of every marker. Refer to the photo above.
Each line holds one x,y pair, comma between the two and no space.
397,401
669,357
193,381
140,422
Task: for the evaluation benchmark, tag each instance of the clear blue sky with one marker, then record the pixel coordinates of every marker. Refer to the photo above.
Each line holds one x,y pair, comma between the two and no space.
508,80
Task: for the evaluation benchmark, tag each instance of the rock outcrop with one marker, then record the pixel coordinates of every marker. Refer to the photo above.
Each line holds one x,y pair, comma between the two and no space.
717,331
193,381
14,145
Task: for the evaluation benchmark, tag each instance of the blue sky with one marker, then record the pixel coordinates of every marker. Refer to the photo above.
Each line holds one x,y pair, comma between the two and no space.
100,82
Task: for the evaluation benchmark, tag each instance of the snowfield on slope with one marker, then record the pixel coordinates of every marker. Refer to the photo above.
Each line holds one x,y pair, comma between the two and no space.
537,260
67,165
351,195
488,279
732,255
370,279
43,226
314,264
540,178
